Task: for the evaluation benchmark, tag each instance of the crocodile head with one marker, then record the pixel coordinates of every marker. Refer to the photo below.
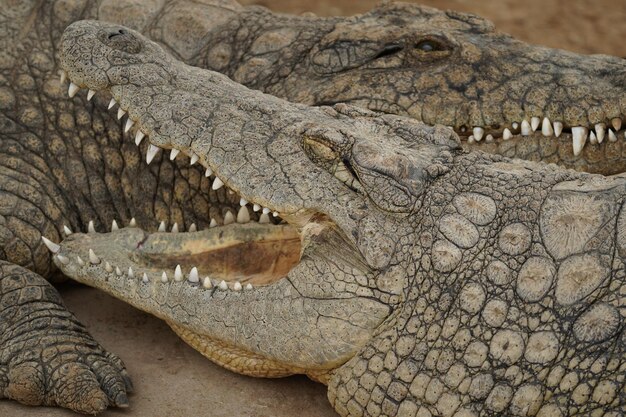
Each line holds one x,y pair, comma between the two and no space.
499,94
264,298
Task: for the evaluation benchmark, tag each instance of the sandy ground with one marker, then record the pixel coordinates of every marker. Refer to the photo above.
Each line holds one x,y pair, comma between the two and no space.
171,379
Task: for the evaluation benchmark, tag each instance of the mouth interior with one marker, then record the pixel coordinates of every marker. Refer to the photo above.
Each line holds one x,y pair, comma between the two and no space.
252,253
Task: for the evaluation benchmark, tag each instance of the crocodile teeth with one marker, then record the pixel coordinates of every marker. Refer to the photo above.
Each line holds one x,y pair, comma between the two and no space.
266,210
193,228
152,151
489,138
208,172
90,94
506,134
526,129
592,138
256,207
193,275
558,128
164,277
243,202
243,216
213,223
616,122
63,77
114,226
264,219
67,230
72,90
515,125
52,247
128,125
90,227
132,223
175,228
112,103
108,267
579,138
145,277
546,127
80,261
600,130
534,123
174,153
162,227
139,137
63,259
275,214
478,133
223,285
237,286
93,259
228,218
118,271
217,184
194,159
178,274
206,283
612,137
120,113
130,274
248,286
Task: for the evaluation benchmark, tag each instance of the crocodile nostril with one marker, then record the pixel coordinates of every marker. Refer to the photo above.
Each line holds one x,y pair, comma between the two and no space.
117,33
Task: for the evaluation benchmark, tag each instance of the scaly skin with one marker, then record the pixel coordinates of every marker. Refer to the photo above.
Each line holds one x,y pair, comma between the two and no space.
66,163
431,281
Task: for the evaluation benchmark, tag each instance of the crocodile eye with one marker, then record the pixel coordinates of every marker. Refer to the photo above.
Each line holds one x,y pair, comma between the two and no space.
430,45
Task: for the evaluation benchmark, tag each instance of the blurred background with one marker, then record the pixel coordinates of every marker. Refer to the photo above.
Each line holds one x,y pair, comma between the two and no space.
587,26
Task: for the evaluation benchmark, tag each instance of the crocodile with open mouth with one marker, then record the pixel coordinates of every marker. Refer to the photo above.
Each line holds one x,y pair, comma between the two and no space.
59,142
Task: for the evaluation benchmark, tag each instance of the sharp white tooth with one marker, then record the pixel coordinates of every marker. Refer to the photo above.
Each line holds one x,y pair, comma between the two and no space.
193,228
67,230
175,228
93,259
145,277
80,261
128,125
237,286
118,271
478,133
63,77
471,139
194,159
534,123
72,90
579,138
515,125
223,285
174,153
243,202
229,218
600,130
108,267
275,214
213,223
206,282
506,135
264,219
178,274
139,137
266,210
152,151
489,138
130,274
63,259
217,184
616,122
52,247
248,286
164,277
526,129
90,94
120,113
256,207
612,137
208,172
592,138
558,128
132,223
193,275
546,127
230,192
162,227
90,227
112,103
114,226
243,216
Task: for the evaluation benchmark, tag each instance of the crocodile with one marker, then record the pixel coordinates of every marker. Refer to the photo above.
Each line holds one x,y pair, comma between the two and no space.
65,165
410,276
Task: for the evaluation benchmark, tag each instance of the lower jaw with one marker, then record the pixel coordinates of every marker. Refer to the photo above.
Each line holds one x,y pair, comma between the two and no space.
606,158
